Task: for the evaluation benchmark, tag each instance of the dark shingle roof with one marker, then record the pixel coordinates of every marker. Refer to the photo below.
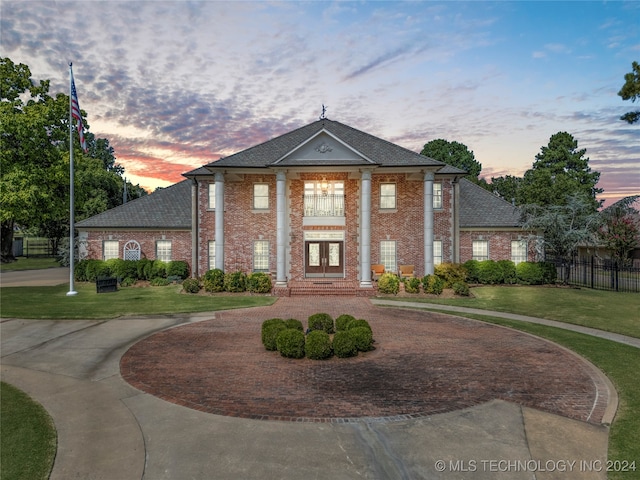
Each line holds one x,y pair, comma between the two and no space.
481,208
375,150
169,208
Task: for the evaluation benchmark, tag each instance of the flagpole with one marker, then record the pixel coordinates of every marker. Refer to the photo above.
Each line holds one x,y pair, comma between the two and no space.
71,291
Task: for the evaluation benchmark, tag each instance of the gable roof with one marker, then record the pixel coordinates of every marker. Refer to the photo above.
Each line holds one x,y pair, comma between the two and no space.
479,208
372,150
166,209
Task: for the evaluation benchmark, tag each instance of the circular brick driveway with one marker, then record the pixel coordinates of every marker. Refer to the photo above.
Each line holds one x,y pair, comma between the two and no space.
424,363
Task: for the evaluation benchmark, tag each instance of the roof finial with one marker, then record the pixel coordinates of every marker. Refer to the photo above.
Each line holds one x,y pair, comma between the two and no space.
324,111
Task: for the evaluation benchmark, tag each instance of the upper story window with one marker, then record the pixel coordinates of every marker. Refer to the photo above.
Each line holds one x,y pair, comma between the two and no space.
324,199
387,195
437,195
260,196
212,196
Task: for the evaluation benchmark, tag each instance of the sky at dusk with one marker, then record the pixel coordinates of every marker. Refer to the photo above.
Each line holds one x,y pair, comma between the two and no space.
174,85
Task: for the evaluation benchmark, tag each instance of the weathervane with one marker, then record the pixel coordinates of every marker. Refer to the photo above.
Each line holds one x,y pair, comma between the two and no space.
324,111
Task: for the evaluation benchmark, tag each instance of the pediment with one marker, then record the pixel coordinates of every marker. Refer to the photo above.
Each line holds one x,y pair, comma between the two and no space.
323,149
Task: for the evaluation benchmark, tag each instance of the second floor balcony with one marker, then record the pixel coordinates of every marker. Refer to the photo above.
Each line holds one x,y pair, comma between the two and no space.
324,205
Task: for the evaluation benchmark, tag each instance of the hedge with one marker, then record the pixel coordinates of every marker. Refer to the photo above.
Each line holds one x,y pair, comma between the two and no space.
258,282
388,283
342,321
290,342
318,346
344,344
321,321
213,280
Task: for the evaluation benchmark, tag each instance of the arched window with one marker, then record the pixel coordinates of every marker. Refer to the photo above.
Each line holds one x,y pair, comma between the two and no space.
131,250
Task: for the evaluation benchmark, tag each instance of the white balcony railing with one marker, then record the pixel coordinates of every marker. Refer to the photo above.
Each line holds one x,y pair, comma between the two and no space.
324,205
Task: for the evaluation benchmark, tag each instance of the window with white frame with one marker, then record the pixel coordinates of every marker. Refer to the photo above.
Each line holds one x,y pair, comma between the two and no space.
437,195
480,250
387,195
110,249
388,255
212,254
518,251
163,250
260,196
212,196
261,256
437,252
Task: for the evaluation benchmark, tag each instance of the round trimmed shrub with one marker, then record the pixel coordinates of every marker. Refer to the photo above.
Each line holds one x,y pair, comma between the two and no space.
191,285
508,270
318,345
529,273
290,343
178,268
258,282
362,338
343,320
451,273
213,280
472,268
433,284
294,323
461,288
235,281
489,273
344,345
389,283
412,285
321,321
270,330
360,323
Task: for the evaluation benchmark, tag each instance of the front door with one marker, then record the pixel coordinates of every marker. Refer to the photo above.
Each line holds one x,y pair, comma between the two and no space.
324,258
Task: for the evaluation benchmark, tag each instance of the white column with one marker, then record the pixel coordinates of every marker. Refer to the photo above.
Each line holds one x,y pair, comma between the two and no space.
281,221
428,223
219,220
365,230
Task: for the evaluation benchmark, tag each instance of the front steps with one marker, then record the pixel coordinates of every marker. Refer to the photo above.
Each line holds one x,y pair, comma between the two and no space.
324,287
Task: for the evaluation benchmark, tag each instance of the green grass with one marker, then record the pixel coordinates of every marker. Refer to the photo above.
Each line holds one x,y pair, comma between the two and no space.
619,362
23,263
609,311
53,302
28,440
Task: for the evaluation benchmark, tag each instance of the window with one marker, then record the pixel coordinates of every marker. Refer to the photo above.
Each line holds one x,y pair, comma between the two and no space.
437,252
163,250
480,250
261,256
387,195
212,196
518,251
110,249
437,195
260,196
388,255
212,254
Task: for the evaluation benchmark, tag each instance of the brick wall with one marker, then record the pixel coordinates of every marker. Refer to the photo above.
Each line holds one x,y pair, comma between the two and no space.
499,243
180,242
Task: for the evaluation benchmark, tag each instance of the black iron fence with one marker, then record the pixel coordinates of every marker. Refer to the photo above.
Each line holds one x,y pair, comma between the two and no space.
600,274
33,247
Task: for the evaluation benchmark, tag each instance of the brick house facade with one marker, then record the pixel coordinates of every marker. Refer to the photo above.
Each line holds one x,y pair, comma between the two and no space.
324,201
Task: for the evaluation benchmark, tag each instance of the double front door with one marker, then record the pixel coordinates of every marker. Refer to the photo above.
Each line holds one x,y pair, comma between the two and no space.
324,258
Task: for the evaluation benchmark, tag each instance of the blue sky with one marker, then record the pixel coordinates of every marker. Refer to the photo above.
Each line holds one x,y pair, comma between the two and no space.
175,84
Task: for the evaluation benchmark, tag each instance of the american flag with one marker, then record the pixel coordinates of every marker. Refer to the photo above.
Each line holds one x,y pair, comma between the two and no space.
75,113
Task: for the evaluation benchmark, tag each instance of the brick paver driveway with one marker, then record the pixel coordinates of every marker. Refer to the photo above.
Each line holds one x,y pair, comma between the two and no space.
424,363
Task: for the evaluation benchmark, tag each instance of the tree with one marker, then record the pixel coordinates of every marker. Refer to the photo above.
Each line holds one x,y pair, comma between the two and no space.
620,232
631,91
559,171
564,226
455,154
507,187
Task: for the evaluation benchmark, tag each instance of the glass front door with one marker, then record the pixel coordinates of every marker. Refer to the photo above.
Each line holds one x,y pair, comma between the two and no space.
324,258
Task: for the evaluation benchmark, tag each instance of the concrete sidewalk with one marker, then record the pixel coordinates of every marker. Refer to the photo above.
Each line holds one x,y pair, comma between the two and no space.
110,430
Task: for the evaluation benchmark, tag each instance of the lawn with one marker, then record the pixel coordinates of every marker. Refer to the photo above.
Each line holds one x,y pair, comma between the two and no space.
605,310
33,263
28,440
53,302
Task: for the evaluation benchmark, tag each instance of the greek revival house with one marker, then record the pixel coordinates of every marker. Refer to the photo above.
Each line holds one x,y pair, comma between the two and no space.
320,204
